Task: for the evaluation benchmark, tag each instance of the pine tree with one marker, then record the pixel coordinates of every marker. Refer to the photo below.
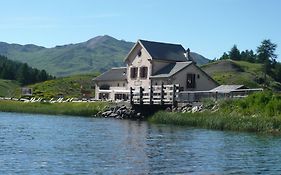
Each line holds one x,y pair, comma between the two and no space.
225,56
266,55
234,53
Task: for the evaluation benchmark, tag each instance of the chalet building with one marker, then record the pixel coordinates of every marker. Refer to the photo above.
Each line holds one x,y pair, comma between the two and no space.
153,63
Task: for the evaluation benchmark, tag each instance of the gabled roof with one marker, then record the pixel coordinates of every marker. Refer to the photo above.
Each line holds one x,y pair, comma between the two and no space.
164,51
114,74
171,69
227,88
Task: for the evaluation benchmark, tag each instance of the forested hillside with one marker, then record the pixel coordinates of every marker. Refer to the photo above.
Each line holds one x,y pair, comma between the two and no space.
21,72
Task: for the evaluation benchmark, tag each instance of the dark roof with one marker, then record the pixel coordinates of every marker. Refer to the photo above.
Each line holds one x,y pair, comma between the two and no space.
171,69
164,51
113,74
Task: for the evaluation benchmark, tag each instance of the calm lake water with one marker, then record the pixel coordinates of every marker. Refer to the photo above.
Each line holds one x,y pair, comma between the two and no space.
41,144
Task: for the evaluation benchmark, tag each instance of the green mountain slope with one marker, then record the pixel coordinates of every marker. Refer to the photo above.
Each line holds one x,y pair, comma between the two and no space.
9,88
200,59
238,72
97,54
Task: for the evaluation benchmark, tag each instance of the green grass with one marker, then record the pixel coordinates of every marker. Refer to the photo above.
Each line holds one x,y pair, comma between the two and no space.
220,121
9,88
66,87
250,67
77,109
260,112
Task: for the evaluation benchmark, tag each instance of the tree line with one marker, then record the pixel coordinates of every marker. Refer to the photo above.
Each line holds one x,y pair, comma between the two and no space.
21,72
265,55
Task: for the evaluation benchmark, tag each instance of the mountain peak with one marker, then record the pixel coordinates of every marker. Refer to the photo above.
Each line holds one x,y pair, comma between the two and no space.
92,43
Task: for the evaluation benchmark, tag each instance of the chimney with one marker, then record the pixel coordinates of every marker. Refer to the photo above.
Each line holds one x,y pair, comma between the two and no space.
188,53
189,58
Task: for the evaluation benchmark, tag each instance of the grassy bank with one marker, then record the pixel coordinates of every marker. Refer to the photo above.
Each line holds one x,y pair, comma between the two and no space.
259,112
79,109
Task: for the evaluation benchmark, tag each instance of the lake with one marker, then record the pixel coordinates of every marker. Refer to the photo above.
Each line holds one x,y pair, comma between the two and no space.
44,144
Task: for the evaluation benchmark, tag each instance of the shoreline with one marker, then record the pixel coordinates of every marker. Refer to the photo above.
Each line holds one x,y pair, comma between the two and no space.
259,112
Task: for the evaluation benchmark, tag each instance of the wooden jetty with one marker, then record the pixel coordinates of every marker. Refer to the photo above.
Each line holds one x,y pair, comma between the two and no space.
170,95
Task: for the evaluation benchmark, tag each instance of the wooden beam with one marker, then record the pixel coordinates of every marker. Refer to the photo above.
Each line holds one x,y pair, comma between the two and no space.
141,95
162,93
174,96
131,96
151,94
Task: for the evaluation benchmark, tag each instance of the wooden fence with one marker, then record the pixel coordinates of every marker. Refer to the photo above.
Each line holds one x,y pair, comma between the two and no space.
193,96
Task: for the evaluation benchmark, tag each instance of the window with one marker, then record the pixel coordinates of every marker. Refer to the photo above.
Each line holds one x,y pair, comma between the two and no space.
139,53
123,84
134,72
104,87
190,82
143,72
117,84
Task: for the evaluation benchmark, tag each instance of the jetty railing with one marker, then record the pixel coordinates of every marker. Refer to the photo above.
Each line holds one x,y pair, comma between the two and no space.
155,95
193,96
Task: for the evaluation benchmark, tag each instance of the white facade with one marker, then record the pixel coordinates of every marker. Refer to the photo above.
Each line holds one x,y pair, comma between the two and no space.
138,58
115,88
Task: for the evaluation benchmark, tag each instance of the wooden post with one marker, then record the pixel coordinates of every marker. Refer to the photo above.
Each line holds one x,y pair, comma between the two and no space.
162,94
141,95
216,95
174,96
151,95
131,96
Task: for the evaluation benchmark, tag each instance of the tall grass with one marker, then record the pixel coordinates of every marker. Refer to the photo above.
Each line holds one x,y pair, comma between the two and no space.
220,121
260,112
79,109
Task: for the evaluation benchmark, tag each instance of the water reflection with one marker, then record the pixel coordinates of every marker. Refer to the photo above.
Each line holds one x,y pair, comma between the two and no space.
39,144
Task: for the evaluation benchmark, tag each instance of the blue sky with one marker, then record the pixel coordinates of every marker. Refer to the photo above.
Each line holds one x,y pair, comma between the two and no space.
208,27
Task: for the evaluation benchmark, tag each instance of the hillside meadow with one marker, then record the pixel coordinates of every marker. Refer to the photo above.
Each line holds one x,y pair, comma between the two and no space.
239,72
67,87
9,88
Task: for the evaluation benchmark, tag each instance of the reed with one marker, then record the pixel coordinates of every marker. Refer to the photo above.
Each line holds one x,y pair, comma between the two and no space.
220,121
78,109
260,112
